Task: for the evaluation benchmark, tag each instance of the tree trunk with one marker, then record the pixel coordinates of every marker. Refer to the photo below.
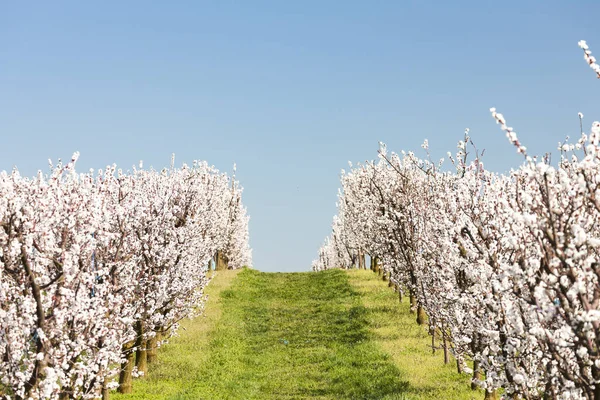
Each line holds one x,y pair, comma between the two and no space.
421,316
105,390
433,341
399,293
362,263
384,276
459,365
125,378
445,344
390,283
491,395
152,344
221,261
218,262
476,375
141,357
413,303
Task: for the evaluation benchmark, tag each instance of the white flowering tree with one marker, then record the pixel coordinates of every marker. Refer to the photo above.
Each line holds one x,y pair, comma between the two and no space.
505,266
92,267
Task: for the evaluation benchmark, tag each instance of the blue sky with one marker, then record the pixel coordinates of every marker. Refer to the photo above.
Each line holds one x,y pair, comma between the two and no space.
290,91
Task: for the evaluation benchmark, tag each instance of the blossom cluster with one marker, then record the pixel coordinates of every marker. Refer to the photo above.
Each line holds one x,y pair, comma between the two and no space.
589,58
505,266
93,263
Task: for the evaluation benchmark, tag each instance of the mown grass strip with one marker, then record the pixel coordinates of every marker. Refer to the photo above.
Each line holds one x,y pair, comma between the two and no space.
280,336
295,336
327,335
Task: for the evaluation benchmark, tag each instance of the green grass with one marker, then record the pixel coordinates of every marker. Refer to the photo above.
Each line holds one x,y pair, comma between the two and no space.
327,335
394,329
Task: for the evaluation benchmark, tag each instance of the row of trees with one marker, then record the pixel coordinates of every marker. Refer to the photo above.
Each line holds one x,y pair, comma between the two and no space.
97,269
506,267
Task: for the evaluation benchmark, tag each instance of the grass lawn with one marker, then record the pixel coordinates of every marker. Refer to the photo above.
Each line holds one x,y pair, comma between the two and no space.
327,335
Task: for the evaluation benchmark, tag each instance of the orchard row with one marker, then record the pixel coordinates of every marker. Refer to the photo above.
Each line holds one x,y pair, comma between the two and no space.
97,269
505,267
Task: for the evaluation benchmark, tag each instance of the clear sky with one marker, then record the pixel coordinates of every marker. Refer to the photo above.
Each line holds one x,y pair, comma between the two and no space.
289,90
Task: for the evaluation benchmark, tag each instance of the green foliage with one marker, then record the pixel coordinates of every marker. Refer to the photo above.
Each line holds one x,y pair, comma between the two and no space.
323,335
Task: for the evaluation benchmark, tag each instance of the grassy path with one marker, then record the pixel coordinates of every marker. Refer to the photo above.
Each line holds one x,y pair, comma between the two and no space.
328,335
